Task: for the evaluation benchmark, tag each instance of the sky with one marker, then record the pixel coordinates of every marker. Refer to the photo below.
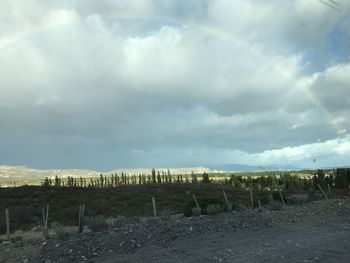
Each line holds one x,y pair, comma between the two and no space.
174,83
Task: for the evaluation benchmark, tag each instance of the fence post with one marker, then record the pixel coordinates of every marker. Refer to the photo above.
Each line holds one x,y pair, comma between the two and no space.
195,200
329,189
81,218
7,214
154,206
324,194
47,215
281,196
229,208
269,199
45,221
43,215
251,197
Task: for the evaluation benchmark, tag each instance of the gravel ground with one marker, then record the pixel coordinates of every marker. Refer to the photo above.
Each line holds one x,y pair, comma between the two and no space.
314,232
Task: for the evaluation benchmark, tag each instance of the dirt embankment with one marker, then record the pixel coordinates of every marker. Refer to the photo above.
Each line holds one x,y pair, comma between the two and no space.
312,232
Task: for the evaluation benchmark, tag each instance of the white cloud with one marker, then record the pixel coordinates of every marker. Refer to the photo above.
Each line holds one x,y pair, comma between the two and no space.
302,154
275,22
226,81
330,153
343,148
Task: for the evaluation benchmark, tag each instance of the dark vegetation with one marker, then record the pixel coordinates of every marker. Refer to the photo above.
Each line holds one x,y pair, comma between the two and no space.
114,180
339,178
25,203
123,196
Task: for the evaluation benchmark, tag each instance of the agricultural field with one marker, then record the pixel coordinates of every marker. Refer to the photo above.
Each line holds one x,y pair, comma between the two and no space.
131,195
107,217
120,225
67,217
26,203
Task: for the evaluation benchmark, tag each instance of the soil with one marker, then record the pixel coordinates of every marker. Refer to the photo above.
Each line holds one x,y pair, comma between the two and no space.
313,232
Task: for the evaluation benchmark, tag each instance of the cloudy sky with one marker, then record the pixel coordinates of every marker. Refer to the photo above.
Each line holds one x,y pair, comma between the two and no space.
170,83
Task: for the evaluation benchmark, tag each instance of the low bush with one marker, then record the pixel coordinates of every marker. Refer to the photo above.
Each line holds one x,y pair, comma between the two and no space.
59,230
203,202
165,214
229,207
213,209
96,223
276,206
113,222
297,199
269,199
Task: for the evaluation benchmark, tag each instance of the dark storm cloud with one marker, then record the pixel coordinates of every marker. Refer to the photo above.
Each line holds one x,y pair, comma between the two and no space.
102,86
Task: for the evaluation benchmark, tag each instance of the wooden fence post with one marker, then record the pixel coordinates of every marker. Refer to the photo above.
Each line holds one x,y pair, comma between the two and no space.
45,215
81,218
154,206
7,215
195,200
229,208
324,194
251,198
281,196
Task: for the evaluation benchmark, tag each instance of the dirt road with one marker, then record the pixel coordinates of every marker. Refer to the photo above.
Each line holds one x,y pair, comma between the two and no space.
323,240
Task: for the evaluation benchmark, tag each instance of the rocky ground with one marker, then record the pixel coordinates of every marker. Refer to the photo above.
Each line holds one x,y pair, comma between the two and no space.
313,232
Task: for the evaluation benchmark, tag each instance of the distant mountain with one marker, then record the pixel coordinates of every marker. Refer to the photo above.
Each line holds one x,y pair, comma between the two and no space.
23,173
251,168
197,170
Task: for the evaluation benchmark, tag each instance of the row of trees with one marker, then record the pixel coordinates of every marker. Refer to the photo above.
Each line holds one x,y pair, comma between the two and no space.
124,179
339,178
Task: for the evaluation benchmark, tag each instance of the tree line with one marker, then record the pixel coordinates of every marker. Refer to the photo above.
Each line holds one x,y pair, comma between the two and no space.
338,178
115,180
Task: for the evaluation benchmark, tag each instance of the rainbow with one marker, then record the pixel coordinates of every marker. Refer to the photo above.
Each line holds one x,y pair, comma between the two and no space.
271,59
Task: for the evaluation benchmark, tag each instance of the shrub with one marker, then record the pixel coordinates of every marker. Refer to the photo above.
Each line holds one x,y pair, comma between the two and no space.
213,209
59,230
270,199
202,202
229,207
18,240
165,214
297,199
113,222
96,223
276,205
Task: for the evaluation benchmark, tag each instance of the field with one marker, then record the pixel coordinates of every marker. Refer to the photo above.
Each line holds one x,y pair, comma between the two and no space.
131,195
294,233
26,202
121,207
